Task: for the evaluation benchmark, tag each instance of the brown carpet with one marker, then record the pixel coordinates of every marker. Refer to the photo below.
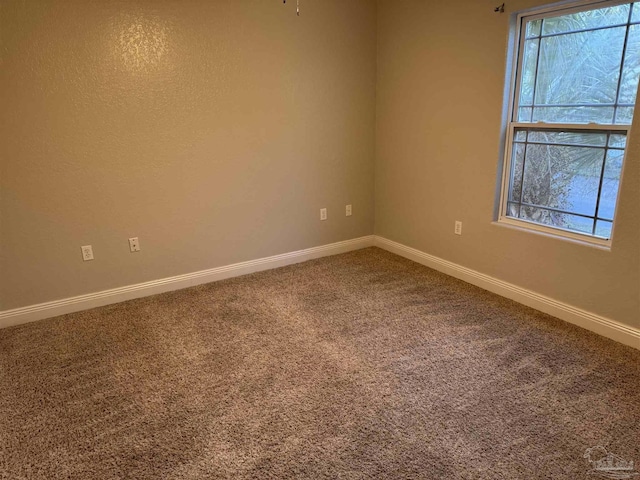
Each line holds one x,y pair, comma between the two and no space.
363,365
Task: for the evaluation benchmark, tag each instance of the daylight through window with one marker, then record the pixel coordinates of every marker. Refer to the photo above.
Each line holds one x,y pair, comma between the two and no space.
574,93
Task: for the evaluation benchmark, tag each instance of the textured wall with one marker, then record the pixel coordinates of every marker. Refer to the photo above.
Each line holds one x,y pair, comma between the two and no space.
214,130
441,70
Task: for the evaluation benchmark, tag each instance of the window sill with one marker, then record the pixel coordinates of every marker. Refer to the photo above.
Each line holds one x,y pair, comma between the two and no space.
555,233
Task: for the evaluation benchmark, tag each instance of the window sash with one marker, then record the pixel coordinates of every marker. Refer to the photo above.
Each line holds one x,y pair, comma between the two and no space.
595,217
522,19
508,169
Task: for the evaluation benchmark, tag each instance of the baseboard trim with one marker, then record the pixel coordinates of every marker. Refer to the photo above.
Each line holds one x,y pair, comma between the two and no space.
41,311
601,325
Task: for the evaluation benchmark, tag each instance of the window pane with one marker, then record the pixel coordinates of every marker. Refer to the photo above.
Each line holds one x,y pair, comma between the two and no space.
533,28
635,16
576,115
513,210
575,138
624,115
529,71
524,114
590,19
603,229
517,162
610,184
629,83
580,68
521,135
563,178
617,140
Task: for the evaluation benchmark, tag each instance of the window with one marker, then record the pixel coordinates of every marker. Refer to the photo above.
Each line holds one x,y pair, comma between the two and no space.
573,96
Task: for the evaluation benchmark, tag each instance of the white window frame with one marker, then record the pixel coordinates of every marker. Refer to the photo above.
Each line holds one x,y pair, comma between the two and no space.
514,78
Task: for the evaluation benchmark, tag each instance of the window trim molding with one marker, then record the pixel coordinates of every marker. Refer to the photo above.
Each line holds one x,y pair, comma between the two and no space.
515,52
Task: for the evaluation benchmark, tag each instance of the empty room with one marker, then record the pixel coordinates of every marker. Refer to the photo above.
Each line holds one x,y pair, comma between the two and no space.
308,239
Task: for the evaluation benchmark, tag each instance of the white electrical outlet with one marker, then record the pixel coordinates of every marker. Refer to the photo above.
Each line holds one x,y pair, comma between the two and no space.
87,252
348,210
458,228
323,214
134,244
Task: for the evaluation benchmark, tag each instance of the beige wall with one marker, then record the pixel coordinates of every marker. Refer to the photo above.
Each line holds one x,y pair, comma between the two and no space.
441,70
214,130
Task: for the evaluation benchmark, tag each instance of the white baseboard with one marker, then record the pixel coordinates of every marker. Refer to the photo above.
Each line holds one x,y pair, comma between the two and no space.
601,325
84,302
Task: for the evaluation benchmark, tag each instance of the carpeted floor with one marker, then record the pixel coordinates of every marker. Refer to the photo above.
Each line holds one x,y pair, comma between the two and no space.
362,365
